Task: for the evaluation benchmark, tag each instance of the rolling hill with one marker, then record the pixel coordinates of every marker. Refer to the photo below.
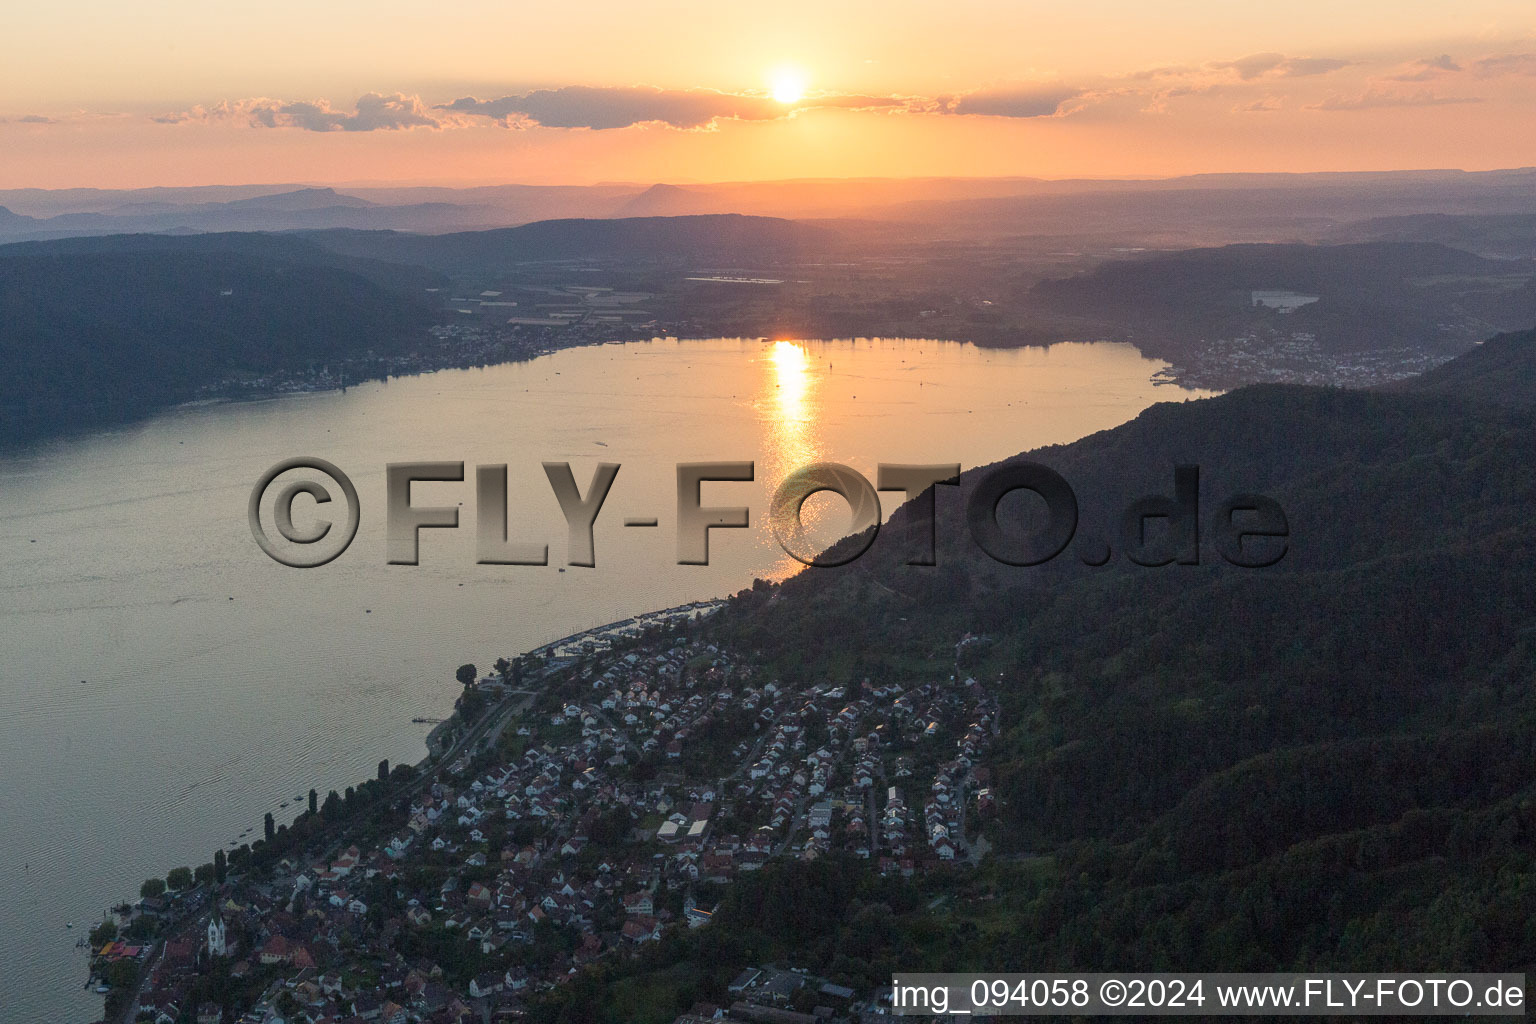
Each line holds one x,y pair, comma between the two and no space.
100,329
1500,371
1367,295
1507,235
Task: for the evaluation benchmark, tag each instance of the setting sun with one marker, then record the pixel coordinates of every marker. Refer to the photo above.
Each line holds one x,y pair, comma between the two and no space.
787,85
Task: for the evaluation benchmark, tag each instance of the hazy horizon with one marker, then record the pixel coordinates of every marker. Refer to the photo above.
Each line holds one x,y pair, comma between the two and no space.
185,94
684,181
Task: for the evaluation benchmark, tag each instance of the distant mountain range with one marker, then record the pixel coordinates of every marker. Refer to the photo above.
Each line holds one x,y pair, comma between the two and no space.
732,238
285,211
1199,209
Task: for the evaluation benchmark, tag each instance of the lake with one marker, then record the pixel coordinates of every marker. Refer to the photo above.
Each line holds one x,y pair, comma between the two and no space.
163,683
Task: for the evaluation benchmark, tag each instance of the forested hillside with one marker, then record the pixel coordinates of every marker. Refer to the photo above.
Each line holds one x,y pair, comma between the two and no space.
96,329
1365,295
1497,372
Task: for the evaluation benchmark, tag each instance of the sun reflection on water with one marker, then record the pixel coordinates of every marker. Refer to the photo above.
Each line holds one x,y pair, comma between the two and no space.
791,412
792,429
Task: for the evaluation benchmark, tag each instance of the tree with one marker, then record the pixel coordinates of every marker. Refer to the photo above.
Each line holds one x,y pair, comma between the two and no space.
314,802
503,669
178,879
205,874
120,974
269,827
384,770
470,703
152,888
467,674
220,866
611,827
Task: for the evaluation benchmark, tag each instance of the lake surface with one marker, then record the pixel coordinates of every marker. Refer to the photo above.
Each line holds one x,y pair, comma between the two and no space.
163,683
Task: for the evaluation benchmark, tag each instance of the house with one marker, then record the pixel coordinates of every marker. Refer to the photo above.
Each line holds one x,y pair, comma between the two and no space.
639,903
717,867
485,984
641,929
780,986
276,951
745,980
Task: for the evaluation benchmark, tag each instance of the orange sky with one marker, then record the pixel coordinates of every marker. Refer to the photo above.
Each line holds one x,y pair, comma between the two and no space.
111,95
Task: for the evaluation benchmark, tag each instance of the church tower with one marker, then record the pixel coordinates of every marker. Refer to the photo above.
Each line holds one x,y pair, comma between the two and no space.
218,940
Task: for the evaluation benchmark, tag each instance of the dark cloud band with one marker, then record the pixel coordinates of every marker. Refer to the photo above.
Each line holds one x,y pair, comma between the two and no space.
599,108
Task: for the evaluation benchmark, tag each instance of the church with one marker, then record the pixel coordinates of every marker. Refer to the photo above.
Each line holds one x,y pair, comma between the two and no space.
218,935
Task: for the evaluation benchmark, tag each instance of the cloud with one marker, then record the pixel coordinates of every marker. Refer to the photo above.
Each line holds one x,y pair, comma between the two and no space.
1427,68
1249,82
1375,98
609,107
1507,64
36,119
203,115
1278,65
1165,71
1017,101
1305,67
372,112
1157,101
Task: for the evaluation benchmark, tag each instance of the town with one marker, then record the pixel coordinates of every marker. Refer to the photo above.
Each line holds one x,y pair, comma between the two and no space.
584,800
1271,355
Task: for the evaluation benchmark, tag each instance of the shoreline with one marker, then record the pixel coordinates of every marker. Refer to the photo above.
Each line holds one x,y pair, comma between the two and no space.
88,420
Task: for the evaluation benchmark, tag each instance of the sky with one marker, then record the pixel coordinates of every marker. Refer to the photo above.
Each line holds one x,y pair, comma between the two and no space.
100,93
